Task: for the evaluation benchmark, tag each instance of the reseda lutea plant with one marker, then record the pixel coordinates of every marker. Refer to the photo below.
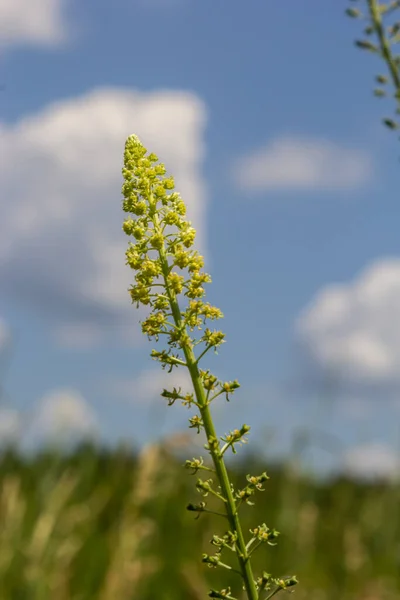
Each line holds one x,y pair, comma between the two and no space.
167,269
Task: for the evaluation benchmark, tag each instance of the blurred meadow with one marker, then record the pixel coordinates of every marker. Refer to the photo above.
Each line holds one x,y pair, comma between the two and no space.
97,523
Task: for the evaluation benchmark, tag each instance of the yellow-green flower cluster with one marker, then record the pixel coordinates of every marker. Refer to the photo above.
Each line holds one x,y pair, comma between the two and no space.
162,257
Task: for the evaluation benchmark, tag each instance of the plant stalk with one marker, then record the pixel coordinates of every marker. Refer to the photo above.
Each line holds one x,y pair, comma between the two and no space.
219,464
376,18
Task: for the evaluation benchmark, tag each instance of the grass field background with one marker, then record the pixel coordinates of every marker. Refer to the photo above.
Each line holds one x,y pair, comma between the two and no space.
111,524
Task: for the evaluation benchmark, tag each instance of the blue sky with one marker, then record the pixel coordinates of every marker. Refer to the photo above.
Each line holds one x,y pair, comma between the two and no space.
264,113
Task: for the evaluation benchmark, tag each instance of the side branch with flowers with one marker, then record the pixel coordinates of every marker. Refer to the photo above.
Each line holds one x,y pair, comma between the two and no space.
167,269
383,26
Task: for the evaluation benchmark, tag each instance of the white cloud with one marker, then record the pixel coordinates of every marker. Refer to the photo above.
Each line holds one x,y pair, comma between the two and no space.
64,414
39,22
62,249
354,329
372,461
149,384
289,163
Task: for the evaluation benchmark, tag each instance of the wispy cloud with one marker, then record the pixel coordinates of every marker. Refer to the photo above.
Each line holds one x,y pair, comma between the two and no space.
38,22
62,415
372,461
353,329
290,163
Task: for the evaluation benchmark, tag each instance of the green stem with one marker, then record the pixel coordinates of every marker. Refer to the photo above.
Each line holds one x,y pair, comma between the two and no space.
276,590
219,464
384,44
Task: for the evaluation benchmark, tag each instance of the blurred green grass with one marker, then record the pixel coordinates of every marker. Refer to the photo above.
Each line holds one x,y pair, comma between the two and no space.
106,524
